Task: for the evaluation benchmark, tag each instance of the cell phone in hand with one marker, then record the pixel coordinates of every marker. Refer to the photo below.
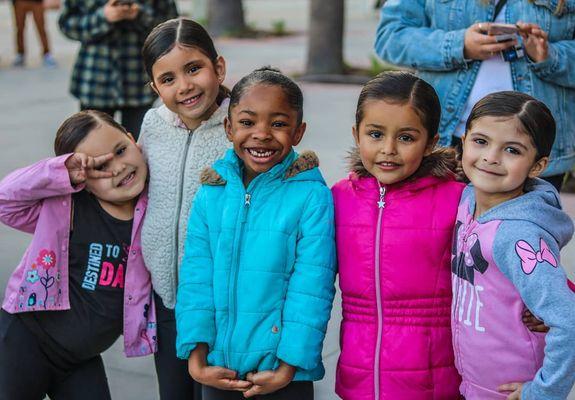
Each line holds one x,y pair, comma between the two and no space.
124,2
506,33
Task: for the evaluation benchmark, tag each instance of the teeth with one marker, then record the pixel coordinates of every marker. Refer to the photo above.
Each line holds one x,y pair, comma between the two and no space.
387,164
260,153
191,99
127,179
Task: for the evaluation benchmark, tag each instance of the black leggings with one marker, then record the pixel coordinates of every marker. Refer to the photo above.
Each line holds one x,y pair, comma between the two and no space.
132,117
298,390
173,378
27,373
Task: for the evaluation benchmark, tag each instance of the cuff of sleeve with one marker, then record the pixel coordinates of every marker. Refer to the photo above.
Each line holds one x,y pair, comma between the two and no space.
547,67
299,346
527,392
185,350
193,327
100,21
61,175
453,49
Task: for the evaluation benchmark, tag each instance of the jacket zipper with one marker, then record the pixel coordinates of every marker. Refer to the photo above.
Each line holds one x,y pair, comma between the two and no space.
380,206
179,208
232,294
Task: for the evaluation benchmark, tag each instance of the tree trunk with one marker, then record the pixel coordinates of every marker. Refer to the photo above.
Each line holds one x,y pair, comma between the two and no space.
325,45
225,17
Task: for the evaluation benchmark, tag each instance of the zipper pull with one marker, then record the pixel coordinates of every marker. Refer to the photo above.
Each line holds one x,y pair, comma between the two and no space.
247,199
381,202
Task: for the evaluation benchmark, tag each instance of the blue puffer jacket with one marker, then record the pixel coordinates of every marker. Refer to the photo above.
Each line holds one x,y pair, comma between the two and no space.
257,278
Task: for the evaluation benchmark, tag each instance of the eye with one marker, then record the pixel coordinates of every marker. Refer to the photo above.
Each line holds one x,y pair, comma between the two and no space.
513,150
121,151
193,69
375,134
101,167
166,80
406,138
245,122
279,124
480,141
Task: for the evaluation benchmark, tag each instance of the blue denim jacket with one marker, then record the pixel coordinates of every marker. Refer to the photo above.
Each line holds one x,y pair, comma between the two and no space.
427,35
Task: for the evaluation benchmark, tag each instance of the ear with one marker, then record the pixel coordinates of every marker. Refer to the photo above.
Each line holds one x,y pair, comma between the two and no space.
298,134
538,168
220,68
131,137
355,134
431,145
154,88
228,128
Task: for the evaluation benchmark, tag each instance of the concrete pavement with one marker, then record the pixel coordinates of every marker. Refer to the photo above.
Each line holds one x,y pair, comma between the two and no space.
34,101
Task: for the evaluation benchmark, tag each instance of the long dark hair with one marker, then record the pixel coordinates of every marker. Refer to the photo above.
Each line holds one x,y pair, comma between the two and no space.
271,77
184,32
534,117
402,87
78,126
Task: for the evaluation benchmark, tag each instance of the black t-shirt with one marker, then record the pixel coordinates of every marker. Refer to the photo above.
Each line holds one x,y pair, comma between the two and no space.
98,254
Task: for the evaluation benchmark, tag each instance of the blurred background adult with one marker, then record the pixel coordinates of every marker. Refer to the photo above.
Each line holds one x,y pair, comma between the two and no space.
109,74
449,44
21,10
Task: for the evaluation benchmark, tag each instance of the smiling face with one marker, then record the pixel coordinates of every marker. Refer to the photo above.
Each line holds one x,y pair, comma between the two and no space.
392,141
498,157
188,83
263,128
128,165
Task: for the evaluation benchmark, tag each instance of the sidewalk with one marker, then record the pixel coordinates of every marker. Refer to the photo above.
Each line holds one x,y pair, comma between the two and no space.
34,101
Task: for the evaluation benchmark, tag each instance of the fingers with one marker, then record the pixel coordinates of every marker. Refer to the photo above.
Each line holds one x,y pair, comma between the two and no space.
509,387
238,385
101,160
253,391
95,174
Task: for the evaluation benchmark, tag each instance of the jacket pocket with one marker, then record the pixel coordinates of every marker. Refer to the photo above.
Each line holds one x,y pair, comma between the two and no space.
558,22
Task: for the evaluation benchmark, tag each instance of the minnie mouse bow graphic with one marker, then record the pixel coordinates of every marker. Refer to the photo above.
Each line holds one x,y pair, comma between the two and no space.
469,258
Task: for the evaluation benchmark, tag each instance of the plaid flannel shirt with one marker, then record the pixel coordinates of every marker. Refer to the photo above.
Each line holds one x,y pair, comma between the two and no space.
109,71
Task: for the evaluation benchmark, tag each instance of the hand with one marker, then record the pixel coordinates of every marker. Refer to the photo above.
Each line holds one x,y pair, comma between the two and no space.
532,323
82,166
535,41
217,377
265,382
115,12
515,389
478,45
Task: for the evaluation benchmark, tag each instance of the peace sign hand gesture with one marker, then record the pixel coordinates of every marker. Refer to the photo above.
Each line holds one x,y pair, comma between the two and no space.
82,166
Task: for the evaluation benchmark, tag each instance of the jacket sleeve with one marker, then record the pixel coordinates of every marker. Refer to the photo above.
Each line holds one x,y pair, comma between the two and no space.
529,257
86,26
404,38
195,311
310,289
556,68
23,191
158,12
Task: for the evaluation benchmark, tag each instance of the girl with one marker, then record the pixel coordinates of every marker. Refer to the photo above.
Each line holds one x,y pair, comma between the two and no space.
256,284
394,222
108,73
510,229
82,281
179,139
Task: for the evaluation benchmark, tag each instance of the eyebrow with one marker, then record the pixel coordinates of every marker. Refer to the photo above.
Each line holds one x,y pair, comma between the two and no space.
407,128
253,113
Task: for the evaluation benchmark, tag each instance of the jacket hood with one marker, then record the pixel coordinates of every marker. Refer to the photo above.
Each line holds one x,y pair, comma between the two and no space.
540,205
297,167
216,118
441,163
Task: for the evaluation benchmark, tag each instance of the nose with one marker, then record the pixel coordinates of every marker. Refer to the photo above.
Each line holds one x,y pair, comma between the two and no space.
117,168
261,132
388,146
491,155
185,85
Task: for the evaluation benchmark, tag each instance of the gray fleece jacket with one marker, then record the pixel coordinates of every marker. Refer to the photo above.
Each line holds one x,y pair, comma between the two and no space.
176,156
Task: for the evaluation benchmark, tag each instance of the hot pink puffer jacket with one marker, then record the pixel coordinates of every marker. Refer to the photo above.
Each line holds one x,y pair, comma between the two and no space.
395,334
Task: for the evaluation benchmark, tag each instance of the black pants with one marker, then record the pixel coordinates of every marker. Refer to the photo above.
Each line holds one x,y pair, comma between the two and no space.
298,390
27,373
132,117
173,378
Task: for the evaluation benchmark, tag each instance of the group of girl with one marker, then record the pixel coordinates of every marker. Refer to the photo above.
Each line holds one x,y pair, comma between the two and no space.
438,280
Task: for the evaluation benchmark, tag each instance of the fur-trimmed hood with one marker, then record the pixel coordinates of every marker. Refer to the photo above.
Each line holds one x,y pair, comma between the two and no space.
307,160
441,163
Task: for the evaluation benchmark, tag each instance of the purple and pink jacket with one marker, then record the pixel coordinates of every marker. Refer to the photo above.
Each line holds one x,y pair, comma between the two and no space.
504,261
394,245
38,199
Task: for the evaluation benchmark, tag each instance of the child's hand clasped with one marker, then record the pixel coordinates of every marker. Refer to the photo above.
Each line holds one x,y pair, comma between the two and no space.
515,388
265,382
82,166
533,323
115,11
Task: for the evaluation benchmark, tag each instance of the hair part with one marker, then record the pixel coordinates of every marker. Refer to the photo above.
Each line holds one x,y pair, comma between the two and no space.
184,32
271,77
534,117
77,127
400,87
